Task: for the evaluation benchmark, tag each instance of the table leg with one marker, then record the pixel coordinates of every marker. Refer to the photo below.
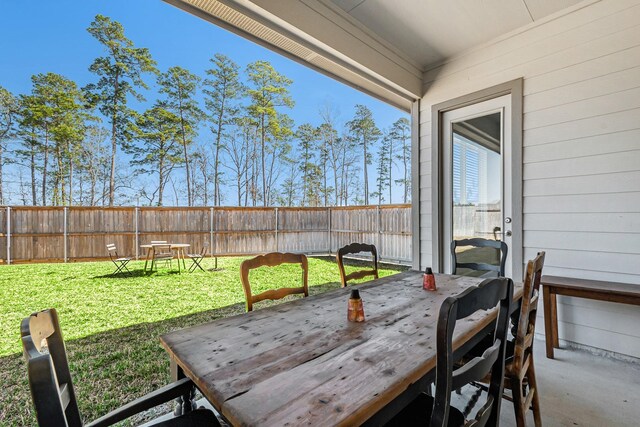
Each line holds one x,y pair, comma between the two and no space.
183,264
185,403
148,258
548,328
554,319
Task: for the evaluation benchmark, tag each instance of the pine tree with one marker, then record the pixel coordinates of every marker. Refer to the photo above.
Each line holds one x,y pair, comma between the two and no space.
160,131
268,90
383,180
307,137
364,132
119,74
222,91
401,132
8,113
180,87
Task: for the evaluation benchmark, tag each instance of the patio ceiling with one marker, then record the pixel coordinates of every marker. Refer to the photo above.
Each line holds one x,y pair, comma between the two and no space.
381,47
430,31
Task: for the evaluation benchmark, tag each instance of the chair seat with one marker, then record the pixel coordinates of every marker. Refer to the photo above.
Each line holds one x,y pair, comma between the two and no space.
418,413
123,259
194,255
198,418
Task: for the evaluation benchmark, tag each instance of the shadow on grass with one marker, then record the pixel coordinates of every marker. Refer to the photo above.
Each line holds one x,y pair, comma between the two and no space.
137,273
112,367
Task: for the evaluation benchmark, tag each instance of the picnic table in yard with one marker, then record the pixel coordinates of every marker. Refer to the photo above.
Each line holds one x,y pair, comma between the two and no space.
302,362
179,248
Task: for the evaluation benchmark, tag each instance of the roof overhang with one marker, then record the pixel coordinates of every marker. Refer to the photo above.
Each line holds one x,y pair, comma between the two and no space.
321,37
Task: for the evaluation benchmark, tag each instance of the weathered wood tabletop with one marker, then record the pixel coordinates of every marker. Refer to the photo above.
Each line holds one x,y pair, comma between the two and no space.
302,362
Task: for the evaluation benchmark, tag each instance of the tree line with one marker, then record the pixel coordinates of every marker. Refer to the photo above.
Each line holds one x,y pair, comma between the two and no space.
227,131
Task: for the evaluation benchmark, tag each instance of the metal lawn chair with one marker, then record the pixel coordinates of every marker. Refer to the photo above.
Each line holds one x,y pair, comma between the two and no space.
197,258
119,262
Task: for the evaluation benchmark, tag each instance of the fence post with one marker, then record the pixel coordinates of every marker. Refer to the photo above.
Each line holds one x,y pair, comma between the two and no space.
329,228
276,211
379,245
64,231
137,235
211,224
8,235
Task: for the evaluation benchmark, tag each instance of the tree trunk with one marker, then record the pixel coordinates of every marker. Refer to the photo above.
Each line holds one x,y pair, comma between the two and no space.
44,166
160,183
366,176
404,160
216,157
324,178
263,133
114,145
59,192
70,175
390,164
32,159
186,157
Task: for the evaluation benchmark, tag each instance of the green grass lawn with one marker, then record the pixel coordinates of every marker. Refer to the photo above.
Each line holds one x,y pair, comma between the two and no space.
111,325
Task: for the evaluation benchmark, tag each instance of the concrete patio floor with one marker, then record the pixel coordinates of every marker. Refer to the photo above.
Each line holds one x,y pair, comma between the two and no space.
579,388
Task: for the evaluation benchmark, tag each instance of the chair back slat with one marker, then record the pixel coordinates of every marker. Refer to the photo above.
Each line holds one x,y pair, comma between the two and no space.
49,376
479,266
271,260
476,368
356,248
491,293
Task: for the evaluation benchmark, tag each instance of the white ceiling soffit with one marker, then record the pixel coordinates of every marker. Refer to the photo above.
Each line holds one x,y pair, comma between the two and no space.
375,69
430,31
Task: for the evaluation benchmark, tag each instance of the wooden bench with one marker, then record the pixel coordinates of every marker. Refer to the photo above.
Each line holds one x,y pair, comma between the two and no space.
581,288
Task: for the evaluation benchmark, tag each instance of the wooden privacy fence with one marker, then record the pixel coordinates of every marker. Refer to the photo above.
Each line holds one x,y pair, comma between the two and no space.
51,234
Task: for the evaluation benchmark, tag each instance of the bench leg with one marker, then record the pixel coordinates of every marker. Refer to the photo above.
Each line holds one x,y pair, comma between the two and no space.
550,320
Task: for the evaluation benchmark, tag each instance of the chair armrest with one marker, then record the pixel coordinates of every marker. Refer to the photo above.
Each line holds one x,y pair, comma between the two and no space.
151,400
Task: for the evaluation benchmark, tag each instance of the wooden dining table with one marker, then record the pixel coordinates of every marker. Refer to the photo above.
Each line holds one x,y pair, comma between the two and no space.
179,248
303,363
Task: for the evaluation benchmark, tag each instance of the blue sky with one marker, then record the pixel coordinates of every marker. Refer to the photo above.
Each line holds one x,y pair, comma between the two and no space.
38,36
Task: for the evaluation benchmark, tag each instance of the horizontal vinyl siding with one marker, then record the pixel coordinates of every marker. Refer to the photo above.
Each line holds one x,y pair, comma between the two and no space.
581,153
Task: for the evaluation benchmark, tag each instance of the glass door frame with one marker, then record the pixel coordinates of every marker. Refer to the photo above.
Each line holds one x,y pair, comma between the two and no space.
439,251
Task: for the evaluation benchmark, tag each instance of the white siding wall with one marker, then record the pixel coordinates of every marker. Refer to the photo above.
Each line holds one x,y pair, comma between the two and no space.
581,153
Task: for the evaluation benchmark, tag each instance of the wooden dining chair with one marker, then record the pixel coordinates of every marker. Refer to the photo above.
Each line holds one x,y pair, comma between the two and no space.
118,261
477,258
52,389
271,260
356,248
437,410
520,375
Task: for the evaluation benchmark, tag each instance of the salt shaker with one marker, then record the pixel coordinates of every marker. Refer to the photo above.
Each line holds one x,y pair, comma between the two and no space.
428,280
355,310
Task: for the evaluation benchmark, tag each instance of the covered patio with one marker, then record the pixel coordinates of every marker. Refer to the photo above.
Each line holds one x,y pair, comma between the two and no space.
570,69
563,79
569,72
